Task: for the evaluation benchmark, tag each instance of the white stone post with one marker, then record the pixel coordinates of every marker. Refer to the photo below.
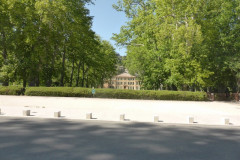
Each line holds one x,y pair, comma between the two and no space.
190,119
57,114
26,112
122,117
89,116
226,121
156,119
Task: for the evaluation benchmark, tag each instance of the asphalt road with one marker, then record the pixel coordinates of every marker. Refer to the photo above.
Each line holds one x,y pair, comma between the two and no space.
58,139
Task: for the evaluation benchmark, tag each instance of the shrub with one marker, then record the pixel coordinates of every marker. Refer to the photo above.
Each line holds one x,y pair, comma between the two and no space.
82,92
151,95
11,90
116,93
49,91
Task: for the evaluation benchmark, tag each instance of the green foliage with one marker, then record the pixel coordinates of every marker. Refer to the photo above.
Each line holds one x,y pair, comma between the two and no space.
115,93
152,95
11,90
187,45
51,43
58,91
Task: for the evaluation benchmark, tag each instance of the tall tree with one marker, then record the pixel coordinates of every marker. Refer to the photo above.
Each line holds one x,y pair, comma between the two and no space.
50,43
183,45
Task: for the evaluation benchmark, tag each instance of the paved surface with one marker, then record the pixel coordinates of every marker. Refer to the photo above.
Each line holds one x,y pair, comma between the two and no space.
208,113
58,139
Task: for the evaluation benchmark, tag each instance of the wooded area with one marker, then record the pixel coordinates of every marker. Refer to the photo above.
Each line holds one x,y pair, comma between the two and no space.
182,44
51,43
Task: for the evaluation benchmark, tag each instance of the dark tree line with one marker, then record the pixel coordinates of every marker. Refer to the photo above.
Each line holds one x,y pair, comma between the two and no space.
51,43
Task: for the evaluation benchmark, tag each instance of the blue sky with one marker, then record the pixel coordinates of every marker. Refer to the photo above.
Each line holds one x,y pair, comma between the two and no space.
107,20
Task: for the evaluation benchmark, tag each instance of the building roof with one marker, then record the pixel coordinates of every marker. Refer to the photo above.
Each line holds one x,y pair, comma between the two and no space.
125,75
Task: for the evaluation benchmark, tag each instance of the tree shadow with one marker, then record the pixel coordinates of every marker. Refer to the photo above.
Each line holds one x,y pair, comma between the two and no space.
49,139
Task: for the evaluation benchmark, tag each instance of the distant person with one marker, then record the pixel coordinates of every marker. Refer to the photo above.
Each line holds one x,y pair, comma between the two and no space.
93,91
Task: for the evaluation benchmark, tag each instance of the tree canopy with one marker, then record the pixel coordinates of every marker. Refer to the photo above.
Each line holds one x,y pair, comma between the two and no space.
51,43
184,45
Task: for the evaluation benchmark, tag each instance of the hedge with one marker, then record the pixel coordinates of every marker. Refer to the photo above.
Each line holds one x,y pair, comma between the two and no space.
11,90
116,93
58,91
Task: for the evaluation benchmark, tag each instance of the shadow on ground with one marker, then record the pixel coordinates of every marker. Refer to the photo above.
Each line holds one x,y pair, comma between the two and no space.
52,139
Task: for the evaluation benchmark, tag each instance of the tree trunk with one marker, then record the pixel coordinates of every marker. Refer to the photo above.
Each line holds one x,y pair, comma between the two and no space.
71,80
102,82
52,66
63,67
24,83
33,72
78,74
37,82
4,54
87,85
83,75
85,72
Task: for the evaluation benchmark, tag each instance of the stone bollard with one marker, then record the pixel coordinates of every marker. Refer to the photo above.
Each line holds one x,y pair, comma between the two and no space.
57,114
190,119
26,112
226,121
156,119
89,116
122,117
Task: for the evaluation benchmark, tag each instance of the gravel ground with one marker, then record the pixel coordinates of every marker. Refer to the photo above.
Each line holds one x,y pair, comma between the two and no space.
207,113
